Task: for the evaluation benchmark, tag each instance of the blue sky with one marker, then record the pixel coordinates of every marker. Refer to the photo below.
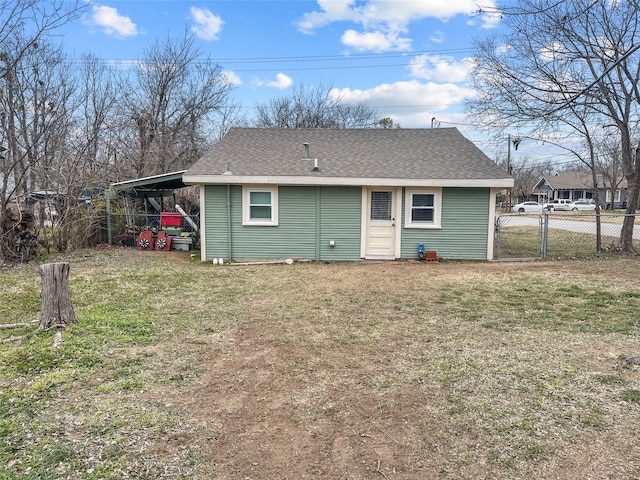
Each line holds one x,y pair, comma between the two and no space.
407,59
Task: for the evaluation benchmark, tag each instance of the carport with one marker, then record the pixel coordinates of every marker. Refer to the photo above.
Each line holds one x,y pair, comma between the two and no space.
153,190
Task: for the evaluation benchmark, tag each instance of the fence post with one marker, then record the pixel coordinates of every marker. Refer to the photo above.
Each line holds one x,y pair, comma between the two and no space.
496,238
545,233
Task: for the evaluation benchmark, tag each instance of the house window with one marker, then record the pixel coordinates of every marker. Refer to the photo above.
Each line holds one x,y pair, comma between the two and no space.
617,196
422,208
260,206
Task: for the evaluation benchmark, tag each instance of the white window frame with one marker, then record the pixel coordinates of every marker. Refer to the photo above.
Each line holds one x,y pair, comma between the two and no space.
616,195
437,207
246,206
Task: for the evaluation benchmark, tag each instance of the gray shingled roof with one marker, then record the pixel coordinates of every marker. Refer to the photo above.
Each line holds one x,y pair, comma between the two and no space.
440,153
574,180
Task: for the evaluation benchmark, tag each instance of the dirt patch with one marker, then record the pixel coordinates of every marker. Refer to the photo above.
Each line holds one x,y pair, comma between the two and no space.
277,420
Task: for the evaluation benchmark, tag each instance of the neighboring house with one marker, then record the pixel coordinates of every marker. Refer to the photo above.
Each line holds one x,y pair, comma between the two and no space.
50,203
577,185
346,194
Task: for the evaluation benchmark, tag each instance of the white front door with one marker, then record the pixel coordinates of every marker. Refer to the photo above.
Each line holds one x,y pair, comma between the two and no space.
380,237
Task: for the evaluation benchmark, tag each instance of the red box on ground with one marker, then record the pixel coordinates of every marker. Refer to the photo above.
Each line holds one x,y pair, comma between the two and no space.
431,256
170,219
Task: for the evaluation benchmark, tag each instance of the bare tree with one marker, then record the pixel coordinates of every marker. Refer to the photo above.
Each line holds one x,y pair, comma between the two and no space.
229,115
32,118
609,165
313,107
33,21
168,102
35,104
90,147
526,173
567,67
95,142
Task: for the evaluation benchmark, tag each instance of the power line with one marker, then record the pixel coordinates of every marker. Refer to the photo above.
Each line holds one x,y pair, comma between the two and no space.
222,61
307,58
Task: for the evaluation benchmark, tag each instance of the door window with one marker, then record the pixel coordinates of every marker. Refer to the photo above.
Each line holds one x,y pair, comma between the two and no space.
381,206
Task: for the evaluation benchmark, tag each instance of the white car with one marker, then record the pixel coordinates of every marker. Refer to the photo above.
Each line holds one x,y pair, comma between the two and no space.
558,204
527,207
582,205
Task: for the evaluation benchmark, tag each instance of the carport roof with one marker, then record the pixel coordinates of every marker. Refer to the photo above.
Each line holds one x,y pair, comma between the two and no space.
156,185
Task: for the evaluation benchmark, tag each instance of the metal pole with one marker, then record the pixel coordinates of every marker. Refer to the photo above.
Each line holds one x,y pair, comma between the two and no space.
545,233
108,196
509,169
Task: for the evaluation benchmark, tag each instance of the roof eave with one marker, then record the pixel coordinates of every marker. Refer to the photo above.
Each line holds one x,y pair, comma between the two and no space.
346,181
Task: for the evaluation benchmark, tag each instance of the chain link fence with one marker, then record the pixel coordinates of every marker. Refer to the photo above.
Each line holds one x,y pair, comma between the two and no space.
125,228
559,234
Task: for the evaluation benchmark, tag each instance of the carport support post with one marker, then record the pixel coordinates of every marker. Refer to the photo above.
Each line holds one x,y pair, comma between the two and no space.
545,233
108,195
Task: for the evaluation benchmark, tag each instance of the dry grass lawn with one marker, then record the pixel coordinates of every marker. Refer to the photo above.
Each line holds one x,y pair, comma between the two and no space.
452,370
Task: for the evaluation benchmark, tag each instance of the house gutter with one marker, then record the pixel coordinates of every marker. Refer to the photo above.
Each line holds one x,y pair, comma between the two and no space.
317,224
492,223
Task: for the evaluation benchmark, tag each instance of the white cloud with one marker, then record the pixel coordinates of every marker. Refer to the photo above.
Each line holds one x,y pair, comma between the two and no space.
553,51
441,68
207,24
281,82
409,103
125,64
437,37
490,19
504,48
111,22
231,78
377,41
382,19
330,11
400,12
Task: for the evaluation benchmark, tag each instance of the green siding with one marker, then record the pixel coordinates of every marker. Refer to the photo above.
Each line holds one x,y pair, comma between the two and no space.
310,217
464,232
335,211
294,237
341,208
216,226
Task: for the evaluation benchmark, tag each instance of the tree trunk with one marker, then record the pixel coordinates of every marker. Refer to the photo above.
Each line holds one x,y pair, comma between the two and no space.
57,310
633,195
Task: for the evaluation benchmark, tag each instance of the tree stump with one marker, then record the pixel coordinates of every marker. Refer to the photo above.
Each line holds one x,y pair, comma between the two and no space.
57,310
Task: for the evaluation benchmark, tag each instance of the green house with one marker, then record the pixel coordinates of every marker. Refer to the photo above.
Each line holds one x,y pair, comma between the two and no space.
346,194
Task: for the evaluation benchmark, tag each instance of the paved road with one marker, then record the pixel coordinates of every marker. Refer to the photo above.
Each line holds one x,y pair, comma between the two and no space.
586,224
